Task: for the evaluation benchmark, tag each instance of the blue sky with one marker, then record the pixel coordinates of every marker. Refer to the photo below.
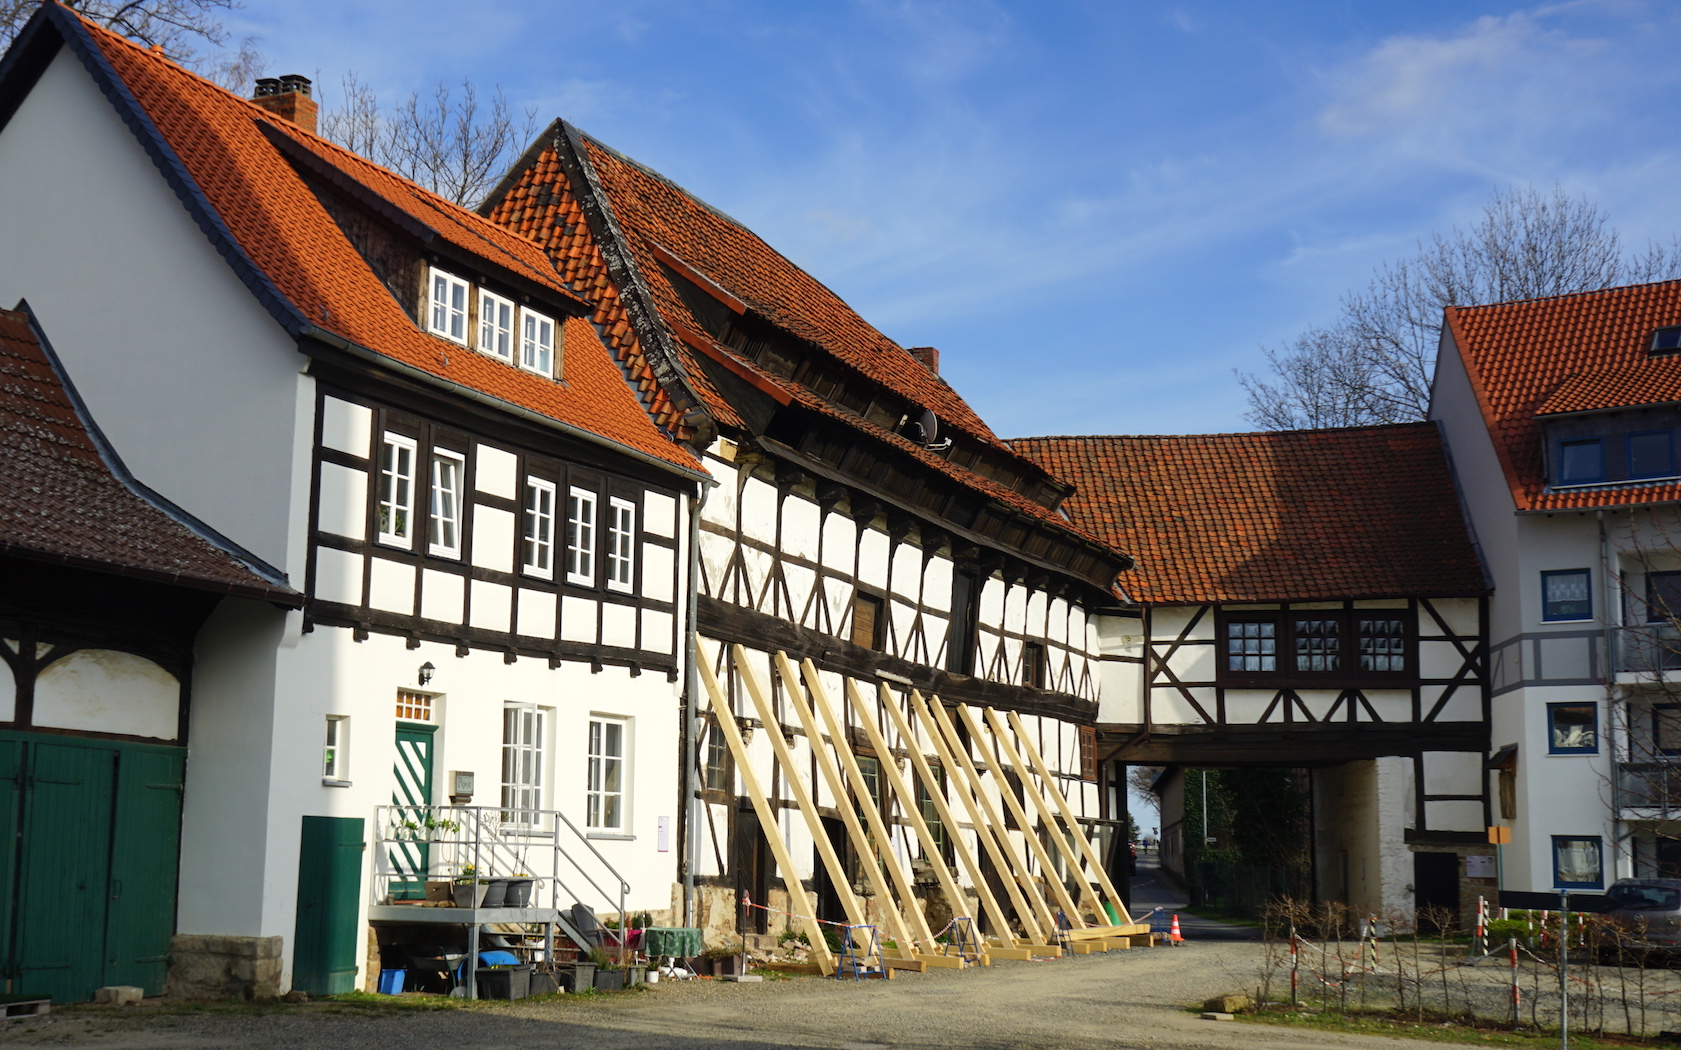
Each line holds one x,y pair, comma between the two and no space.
1095,210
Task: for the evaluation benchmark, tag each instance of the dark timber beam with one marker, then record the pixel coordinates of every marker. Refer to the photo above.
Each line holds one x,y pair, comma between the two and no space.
1285,744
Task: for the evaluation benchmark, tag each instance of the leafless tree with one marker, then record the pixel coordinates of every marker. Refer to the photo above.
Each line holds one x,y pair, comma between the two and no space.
450,144
1374,364
180,27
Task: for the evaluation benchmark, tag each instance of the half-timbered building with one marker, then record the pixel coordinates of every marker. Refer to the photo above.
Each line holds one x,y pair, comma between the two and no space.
865,520
1307,599
402,411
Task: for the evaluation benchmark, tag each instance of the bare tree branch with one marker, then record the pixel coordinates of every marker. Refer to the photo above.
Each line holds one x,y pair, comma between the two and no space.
177,26
1376,363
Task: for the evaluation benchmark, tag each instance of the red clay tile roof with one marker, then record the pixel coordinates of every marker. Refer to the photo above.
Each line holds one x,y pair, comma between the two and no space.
1280,516
1570,353
277,222
60,501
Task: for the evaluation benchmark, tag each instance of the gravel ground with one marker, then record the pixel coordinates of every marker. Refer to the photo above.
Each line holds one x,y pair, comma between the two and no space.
1121,999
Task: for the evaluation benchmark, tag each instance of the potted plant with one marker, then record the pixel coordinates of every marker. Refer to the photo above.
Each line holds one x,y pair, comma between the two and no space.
496,895
721,961
635,974
576,976
519,891
609,975
469,889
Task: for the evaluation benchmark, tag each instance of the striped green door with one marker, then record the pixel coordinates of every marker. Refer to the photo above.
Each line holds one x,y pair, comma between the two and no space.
412,787
145,847
329,890
65,871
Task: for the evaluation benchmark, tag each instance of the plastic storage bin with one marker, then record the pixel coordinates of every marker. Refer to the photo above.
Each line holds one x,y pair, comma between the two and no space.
511,983
391,981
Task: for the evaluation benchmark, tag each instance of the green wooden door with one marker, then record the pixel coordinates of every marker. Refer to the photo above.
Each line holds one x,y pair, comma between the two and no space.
145,847
412,790
11,798
329,890
65,871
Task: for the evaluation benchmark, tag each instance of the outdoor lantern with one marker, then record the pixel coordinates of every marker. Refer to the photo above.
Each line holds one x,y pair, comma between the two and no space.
426,670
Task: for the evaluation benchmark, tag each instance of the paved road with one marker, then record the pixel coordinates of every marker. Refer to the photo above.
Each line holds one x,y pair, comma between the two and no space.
1151,890
1130,999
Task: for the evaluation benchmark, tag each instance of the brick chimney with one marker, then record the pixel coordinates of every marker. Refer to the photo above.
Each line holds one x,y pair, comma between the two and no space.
928,357
288,97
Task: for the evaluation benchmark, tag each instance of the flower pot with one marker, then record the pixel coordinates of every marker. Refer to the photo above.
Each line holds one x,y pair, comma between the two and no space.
635,975
610,980
519,893
470,894
496,894
577,977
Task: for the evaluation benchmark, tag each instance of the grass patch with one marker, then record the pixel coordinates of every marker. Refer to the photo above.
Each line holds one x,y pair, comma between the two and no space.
1437,1028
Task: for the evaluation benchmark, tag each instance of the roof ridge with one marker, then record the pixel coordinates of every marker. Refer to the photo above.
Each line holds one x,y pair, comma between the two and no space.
1369,427
1608,289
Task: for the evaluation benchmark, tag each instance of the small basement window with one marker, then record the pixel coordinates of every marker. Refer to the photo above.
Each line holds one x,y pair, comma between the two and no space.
1666,340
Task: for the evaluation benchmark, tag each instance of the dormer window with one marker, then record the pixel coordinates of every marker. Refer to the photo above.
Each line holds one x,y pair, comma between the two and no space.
1666,340
448,312
496,325
1581,462
536,353
1651,454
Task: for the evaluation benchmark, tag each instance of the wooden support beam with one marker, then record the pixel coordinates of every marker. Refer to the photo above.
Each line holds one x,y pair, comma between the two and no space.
937,796
1070,857
907,797
1073,822
897,928
1036,918
766,812
839,878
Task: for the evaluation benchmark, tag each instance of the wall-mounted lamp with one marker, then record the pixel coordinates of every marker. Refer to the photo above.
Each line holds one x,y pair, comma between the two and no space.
426,670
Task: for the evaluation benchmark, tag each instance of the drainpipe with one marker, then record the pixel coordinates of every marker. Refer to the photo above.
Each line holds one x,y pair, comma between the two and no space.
691,803
1613,616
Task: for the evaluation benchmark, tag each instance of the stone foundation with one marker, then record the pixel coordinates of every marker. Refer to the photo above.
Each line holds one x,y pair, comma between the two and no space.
207,966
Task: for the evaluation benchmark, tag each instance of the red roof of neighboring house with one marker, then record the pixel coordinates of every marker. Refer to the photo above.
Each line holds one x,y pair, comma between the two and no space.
1296,515
289,249
1570,353
61,502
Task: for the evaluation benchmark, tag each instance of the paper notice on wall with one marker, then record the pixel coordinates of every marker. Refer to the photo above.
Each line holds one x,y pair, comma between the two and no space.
1480,866
664,837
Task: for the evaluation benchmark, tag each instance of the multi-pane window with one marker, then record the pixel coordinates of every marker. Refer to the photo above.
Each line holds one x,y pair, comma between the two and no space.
447,313
716,774
1565,595
580,536
931,815
1033,664
1088,752
1252,646
870,766
522,763
537,552
1578,862
448,468
1573,729
413,706
605,803
1329,642
536,344
396,491
621,544
333,764
496,325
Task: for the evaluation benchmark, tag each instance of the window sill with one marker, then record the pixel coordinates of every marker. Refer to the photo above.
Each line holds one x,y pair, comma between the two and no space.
330,782
610,836
1579,619
1573,754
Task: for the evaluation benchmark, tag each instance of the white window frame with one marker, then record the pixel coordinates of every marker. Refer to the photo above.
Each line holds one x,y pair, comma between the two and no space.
596,792
437,521
524,763
539,539
335,757
580,536
443,316
621,545
389,504
490,333
536,342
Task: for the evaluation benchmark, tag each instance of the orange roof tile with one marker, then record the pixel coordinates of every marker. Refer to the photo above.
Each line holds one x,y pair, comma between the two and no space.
1570,353
296,258
1279,516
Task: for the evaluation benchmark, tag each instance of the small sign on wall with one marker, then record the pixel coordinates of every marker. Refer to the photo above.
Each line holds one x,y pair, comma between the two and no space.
1481,866
663,839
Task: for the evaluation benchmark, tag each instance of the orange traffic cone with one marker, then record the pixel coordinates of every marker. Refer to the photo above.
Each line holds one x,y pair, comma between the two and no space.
1174,936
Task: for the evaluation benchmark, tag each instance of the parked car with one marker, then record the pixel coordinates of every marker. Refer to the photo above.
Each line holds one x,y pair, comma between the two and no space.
1649,909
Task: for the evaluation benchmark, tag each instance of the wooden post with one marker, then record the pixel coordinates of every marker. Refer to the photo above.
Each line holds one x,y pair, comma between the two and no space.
1035,917
802,798
1070,856
1046,864
766,812
922,938
907,795
1073,822
936,795
792,687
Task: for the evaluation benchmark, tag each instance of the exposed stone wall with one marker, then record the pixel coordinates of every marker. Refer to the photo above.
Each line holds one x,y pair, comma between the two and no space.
206,966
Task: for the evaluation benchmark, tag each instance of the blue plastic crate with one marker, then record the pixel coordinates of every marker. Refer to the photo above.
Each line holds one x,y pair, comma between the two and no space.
391,981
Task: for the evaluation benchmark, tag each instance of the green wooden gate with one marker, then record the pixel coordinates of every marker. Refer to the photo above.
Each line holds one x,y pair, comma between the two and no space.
89,850
329,889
